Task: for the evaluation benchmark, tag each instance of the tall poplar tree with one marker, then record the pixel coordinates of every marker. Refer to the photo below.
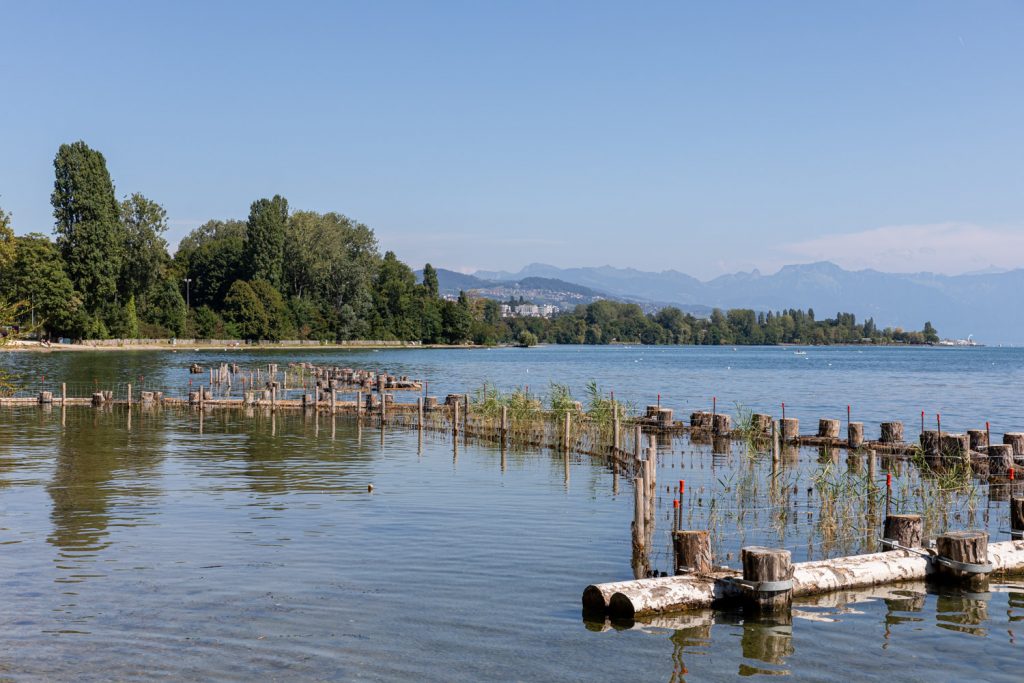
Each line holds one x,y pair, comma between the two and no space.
88,231
264,239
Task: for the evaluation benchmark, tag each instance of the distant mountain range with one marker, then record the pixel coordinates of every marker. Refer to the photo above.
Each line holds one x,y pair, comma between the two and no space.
985,304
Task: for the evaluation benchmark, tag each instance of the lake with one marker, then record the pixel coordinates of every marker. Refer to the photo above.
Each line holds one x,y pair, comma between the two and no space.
248,546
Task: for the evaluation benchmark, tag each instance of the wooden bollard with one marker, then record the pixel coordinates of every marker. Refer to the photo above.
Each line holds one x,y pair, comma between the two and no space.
872,467
700,421
63,393
978,439
903,529
129,394
1000,459
45,397
97,398
419,412
693,551
565,430
202,395
616,436
147,397
954,446
1017,516
828,428
504,422
455,417
930,442
383,407
1016,441
307,401
721,424
855,435
891,432
767,565
639,514
969,547
790,427
760,424
193,397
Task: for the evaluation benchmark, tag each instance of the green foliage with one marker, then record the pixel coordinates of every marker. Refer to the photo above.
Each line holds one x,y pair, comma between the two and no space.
264,240
395,301
165,306
88,229
7,242
279,322
245,312
430,284
560,400
207,324
211,256
37,277
145,250
526,339
456,320
131,330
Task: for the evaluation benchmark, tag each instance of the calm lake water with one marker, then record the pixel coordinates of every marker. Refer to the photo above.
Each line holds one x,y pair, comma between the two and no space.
245,547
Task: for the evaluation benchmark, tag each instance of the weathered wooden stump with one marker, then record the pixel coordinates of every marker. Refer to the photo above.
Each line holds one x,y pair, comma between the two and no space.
98,398
307,401
700,421
1000,460
930,442
828,428
721,424
790,429
147,397
207,395
891,432
430,403
978,439
955,446
760,424
193,397
962,546
664,416
46,397
693,551
904,529
1017,516
452,399
763,565
855,435
1016,441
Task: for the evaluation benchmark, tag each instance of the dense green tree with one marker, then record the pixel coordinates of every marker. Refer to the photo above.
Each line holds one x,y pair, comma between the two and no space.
264,239
279,320
37,277
245,313
7,243
164,308
397,316
430,283
211,257
143,222
88,229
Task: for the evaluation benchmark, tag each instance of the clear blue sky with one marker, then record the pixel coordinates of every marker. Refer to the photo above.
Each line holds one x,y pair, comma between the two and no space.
702,137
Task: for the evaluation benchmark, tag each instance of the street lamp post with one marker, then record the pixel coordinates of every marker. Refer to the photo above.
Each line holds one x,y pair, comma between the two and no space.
188,298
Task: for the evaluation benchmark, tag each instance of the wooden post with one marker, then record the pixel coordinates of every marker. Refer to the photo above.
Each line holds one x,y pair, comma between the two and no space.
855,435
978,439
1000,459
616,442
1016,441
764,565
1017,516
962,546
693,551
63,393
891,432
775,441
455,417
903,529
273,396
790,429
565,431
639,506
383,408
721,424
334,400
129,394
202,396
504,423
638,443
872,472
419,413
828,428
359,402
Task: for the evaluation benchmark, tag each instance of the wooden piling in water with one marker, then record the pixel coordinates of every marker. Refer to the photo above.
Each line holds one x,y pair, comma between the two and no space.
790,427
978,439
767,566
721,424
967,547
693,551
1000,459
855,435
828,428
906,530
1017,516
1016,441
891,432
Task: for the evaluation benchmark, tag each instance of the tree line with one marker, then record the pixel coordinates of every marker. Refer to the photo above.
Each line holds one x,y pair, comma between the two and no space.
294,274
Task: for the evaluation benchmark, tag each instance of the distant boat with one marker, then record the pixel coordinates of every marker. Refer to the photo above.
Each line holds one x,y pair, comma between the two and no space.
960,342
799,353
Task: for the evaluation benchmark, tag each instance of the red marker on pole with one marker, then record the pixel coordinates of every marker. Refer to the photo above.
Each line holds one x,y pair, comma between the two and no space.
682,487
1011,474
888,480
